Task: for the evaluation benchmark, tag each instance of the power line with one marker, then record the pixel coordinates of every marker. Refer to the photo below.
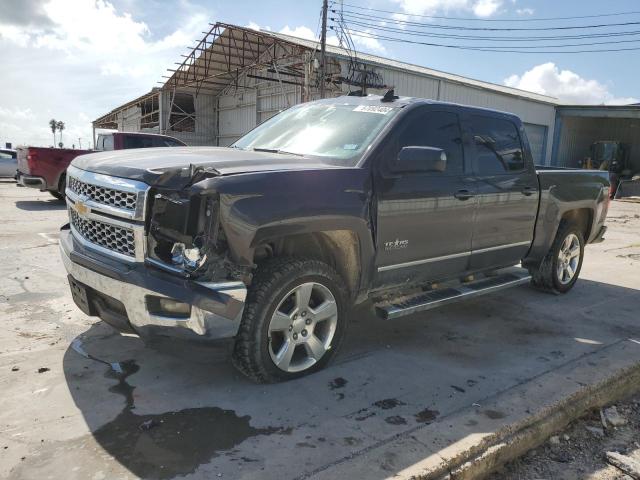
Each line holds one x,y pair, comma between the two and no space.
359,33
420,33
356,15
440,17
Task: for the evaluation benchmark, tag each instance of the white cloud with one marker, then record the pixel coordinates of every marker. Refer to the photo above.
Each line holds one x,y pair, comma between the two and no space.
364,40
480,8
567,86
300,32
486,8
525,11
82,56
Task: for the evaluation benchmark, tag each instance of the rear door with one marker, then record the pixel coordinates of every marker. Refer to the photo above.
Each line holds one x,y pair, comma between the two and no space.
424,220
507,188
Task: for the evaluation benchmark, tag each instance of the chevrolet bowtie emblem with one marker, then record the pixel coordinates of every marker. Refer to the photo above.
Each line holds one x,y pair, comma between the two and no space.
81,208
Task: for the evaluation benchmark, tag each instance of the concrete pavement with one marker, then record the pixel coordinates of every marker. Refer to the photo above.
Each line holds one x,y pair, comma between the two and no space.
401,397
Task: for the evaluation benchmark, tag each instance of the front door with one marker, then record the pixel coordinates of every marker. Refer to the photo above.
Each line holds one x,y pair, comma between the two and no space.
424,220
507,189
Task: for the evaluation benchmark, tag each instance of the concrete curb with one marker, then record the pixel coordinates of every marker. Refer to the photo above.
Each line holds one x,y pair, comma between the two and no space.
517,440
472,442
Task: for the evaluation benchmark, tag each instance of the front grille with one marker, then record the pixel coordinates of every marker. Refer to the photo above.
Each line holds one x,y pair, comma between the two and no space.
112,237
104,195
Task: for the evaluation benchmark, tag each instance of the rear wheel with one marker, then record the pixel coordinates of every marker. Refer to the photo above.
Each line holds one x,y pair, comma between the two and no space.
59,193
56,194
293,322
560,268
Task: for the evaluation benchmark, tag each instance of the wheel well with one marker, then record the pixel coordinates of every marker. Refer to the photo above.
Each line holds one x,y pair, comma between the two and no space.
337,248
582,217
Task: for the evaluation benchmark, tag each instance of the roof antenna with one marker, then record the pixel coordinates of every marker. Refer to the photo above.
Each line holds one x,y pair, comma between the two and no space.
390,96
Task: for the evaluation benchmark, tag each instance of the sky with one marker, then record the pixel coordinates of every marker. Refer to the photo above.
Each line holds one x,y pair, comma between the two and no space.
74,60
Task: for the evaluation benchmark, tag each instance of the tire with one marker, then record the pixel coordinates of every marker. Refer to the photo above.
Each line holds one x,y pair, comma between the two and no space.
552,274
59,193
274,314
55,194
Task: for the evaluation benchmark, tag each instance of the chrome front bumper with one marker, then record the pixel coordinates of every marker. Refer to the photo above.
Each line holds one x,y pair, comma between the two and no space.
216,307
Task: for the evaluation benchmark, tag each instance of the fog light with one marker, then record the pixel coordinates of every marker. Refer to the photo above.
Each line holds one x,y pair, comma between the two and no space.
168,307
172,306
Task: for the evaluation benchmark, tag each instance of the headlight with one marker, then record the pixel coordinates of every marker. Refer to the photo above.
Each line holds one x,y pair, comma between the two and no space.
188,258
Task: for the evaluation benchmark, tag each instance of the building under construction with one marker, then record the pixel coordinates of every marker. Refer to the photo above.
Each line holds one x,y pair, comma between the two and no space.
235,78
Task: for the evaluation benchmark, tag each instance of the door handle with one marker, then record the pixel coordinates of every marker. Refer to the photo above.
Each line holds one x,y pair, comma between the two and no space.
527,191
463,195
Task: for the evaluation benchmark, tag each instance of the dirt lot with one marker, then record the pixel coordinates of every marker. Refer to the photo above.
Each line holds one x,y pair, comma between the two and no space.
579,452
80,401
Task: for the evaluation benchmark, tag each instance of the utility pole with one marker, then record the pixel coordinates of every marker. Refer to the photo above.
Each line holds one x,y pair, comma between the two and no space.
323,47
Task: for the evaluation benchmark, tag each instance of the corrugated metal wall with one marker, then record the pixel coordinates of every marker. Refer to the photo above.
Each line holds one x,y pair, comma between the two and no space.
236,115
223,119
205,125
129,120
578,133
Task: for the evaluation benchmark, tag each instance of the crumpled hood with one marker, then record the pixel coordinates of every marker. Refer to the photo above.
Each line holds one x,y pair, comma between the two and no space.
155,166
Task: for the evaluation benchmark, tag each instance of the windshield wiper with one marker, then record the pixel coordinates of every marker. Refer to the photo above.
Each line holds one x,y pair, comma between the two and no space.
276,150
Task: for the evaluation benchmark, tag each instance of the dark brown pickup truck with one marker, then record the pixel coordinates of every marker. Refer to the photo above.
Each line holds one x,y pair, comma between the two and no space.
408,203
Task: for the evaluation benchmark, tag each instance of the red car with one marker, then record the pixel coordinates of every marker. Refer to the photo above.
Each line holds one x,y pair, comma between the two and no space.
45,168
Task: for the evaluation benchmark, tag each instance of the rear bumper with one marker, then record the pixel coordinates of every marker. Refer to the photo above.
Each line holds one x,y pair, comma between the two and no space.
120,295
31,181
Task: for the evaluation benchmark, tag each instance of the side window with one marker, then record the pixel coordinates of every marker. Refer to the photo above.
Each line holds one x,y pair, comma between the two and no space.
135,141
107,143
5,155
498,146
431,128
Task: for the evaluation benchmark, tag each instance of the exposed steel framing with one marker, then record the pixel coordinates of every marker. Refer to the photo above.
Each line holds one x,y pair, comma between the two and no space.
227,52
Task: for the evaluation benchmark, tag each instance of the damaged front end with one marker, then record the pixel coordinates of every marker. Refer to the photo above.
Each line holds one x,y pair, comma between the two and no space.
185,236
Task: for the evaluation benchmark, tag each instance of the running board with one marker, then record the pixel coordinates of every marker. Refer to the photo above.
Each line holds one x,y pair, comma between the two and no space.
444,296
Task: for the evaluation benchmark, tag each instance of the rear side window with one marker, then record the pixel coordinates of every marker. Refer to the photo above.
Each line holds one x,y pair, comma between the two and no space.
107,142
134,141
425,127
498,146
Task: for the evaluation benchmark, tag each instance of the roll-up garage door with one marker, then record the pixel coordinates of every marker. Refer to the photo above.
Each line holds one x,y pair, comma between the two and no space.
537,135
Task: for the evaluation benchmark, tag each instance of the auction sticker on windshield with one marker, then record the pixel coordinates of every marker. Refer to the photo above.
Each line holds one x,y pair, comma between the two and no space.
373,109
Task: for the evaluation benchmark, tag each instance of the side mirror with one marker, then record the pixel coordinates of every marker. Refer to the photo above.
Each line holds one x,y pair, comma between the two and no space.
420,159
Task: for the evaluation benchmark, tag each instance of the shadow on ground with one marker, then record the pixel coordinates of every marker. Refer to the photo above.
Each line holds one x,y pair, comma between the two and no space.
163,414
39,205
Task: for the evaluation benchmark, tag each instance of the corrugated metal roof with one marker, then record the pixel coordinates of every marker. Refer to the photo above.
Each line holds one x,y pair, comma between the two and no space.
417,69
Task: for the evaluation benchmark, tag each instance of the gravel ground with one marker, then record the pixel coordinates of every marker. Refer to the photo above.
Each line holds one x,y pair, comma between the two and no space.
579,452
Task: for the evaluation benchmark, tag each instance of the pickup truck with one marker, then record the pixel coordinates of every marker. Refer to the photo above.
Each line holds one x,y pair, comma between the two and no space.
44,168
407,203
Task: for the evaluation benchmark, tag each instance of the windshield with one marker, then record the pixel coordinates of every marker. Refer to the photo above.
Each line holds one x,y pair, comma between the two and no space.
338,132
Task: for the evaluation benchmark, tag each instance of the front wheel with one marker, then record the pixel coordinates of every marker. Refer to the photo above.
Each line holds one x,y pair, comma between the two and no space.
559,270
293,321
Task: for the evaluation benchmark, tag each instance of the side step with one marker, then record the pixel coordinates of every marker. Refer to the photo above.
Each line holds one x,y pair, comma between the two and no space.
444,296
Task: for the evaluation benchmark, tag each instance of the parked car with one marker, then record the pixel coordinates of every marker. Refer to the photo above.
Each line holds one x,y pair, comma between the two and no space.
126,140
44,168
8,162
405,202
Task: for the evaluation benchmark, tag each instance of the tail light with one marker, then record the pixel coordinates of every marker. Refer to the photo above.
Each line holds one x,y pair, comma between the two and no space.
32,158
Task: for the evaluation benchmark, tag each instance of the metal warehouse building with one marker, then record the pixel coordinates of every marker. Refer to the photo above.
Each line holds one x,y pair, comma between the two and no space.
236,78
578,126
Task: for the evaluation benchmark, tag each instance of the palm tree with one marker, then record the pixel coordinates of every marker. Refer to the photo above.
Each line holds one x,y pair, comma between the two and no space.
60,126
54,126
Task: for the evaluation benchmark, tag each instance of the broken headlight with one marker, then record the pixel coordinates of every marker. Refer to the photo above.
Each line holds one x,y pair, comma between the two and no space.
183,232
